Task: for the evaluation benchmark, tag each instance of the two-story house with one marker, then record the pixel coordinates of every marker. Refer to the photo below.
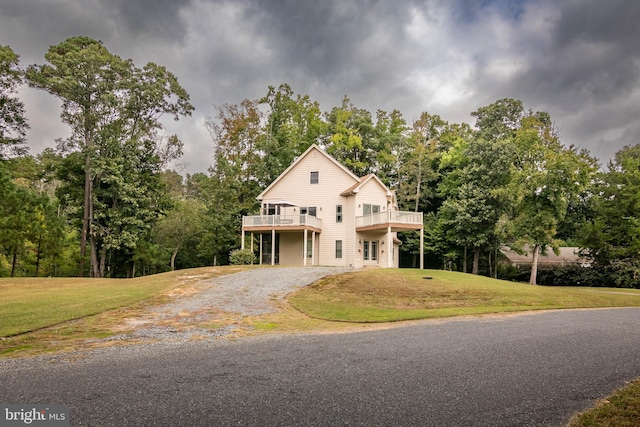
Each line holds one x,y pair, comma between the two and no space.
317,212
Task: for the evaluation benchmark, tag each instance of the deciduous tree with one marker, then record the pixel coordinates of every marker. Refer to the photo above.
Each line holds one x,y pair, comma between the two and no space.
107,102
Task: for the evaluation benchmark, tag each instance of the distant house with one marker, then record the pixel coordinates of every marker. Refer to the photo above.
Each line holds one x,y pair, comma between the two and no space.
566,256
317,212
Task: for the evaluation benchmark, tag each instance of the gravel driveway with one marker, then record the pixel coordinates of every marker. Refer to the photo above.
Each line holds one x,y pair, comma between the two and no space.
226,299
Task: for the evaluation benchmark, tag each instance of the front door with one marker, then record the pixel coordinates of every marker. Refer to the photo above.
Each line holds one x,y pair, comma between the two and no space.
370,252
266,248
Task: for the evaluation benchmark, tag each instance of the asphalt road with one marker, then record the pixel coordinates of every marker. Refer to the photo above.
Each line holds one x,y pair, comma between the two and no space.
526,370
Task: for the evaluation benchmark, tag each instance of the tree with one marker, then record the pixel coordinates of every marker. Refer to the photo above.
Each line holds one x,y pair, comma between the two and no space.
546,177
613,235
230,191
293,123
181,223
349,136
13,124
106,101
419,162
499,120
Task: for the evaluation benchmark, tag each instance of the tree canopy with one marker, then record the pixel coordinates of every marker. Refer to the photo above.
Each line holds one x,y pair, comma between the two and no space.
506,181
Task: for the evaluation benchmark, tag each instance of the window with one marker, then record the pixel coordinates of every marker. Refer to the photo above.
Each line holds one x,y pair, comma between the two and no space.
338,248
370,250
311,210
309,247
338,213
368,209
315,177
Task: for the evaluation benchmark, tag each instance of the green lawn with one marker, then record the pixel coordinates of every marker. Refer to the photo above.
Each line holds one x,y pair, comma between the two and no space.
28,304
392,295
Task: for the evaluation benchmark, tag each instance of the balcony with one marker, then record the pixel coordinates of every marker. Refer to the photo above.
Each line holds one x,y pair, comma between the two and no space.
397,220
257,223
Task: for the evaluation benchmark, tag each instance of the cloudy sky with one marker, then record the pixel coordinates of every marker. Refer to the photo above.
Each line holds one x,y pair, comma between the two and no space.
577,59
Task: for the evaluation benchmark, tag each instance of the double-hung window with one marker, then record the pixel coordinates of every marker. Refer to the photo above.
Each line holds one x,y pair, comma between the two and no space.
315,177
338,248
338,213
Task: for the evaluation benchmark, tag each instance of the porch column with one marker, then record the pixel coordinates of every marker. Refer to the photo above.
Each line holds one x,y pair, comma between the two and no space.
389,248
304,247
242,241
260,249
422,248
251,242
313,248
273,247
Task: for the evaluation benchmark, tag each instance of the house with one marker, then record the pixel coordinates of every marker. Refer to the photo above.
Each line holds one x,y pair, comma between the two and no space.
317,212
566,256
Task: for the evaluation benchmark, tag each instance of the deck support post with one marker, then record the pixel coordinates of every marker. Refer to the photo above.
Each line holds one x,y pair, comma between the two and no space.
422,248
304,247
273,247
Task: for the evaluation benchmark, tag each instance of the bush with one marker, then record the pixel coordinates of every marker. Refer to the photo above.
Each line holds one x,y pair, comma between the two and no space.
242,257
619,274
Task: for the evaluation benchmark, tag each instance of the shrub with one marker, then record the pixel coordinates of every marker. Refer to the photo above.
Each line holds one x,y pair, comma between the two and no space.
618,274
242,257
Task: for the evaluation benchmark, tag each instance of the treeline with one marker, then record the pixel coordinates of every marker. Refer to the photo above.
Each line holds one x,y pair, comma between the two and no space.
102,203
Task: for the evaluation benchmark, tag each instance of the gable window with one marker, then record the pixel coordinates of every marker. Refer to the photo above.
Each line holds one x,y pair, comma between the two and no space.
315,178
338,248
338,213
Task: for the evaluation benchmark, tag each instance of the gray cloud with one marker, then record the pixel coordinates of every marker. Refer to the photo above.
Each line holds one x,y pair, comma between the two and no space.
578,59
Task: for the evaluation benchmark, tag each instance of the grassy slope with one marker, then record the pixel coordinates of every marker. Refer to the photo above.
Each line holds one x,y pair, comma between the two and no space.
371,296
28,304
394,295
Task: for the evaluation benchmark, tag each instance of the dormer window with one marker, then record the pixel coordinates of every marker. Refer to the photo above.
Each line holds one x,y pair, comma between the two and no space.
315,178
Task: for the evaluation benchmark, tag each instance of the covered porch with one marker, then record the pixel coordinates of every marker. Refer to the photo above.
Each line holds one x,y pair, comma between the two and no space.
387,224
288,239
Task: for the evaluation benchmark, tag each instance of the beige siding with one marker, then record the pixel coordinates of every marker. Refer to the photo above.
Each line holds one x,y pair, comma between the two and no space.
291,248
295,187
374,194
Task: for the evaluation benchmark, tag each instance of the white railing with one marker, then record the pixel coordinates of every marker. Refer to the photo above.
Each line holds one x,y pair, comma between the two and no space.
396,217
281,220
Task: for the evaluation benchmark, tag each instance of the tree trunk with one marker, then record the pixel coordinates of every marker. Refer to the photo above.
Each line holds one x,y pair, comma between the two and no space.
464,260
476,260
418,185
94,258
14,261
534,266
87,210
103,261
38,255
173,258
490,265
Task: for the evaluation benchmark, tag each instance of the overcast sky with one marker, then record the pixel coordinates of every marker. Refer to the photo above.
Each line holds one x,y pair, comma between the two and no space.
577,59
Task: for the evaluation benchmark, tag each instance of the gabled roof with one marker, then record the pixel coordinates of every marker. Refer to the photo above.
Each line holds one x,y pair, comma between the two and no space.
566,255
362,181
317,149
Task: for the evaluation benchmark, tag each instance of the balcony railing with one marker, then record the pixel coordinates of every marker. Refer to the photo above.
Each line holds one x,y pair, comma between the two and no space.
281,221
390,217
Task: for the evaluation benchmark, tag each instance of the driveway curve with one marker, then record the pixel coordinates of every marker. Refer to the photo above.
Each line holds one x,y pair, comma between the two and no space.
224,300
527,370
